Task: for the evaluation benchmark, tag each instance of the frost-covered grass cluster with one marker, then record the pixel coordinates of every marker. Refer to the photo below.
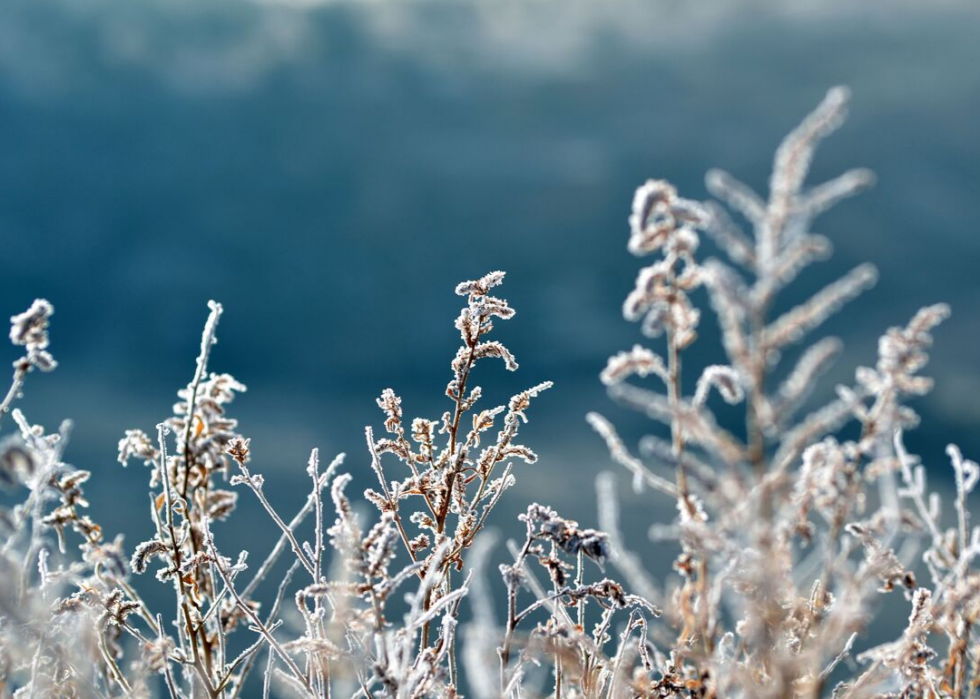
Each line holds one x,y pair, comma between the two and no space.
788,532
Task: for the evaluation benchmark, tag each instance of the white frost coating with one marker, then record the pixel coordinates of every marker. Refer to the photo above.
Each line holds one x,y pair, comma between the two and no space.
729,236
794,324
639,361
641,474
736,194
800,382
481,286
208,339
30,328
795,153
722,377
829,194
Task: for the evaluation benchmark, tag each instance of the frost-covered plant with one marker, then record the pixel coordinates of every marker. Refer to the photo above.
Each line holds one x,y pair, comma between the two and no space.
787,534
30,331
65,621
788,530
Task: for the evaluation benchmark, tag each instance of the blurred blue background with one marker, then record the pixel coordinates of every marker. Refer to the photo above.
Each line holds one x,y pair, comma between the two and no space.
330,171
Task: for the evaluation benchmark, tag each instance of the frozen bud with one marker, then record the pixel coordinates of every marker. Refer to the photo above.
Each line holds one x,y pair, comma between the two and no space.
419,543
136,444
565,533
486,306
493,348
30,328
144,552
651,219
422,520
482,286
43,360
639,361
519,451
423,431
391,404
651,289
725,379
238,450
221,388
660,218
520,402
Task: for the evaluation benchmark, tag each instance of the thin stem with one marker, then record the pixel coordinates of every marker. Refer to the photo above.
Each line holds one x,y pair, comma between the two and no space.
674,393
277,550
512,611
15,386
453,432
270,620
286,529
259,625
114,670
207,340
376,464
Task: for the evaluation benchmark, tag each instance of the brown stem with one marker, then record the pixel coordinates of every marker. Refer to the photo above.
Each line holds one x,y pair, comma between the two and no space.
455,466
674,396
453,432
